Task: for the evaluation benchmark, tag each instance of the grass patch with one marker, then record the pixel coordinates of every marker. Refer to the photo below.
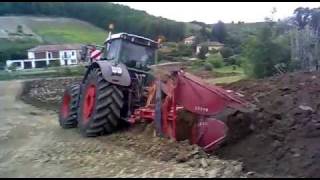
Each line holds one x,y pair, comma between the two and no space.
229,69
226,80
43,73
70,33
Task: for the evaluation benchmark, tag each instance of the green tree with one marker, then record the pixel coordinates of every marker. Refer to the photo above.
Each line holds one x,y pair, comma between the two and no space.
226,52
216,60
125,19
264,51
203,51
219,32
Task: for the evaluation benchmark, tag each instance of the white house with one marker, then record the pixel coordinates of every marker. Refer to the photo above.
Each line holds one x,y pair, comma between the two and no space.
189,40
43,55
211,45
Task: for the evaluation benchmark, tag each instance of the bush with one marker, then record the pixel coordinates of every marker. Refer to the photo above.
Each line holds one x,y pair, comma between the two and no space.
216,60
13,67
239,61
213,51
203,51
233,60
54,63
207,66
264,51
226,52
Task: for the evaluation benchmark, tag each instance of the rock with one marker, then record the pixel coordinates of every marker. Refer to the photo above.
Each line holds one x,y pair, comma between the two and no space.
238,168
204,163
276,144
213,173
284,88
194,164
305,108
250,173
167,156
182,157
296,155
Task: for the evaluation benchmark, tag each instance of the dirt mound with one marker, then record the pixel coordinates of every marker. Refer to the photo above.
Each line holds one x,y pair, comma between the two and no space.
139,138
46,93
286,126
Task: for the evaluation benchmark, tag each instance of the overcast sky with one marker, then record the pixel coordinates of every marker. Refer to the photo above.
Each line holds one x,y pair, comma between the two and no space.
211,12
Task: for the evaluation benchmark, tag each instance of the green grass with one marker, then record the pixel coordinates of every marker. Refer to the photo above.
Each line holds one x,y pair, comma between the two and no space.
70,33
229,69
226,80
6,44
43,73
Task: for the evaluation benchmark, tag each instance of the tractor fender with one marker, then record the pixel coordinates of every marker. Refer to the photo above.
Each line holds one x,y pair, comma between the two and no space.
115,74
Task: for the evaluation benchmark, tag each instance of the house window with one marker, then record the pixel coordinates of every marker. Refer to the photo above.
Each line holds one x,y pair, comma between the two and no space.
72,53
49,55
65,55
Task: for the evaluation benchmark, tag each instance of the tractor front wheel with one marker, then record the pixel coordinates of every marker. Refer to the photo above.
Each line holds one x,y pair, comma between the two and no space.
100,105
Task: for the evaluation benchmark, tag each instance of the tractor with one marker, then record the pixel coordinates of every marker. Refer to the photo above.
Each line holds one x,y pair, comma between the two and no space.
127,86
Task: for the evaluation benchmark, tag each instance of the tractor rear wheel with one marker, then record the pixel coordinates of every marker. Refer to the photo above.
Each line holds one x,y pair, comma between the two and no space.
100,105
69,106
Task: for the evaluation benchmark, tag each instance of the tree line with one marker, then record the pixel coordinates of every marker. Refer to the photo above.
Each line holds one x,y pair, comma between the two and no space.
101,14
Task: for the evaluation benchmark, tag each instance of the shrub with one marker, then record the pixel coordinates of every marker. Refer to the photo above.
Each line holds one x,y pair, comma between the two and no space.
233,60
216,60
213,51
203,51
54,63
12,67
207,66
226,52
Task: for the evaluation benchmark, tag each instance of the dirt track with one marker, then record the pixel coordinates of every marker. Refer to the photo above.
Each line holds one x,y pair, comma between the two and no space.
33,145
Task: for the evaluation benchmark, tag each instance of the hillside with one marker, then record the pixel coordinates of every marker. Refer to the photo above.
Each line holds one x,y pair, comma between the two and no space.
50,30
101,14
43,30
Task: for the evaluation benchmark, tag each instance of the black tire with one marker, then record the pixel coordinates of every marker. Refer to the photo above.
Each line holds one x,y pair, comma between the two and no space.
105,116
68,119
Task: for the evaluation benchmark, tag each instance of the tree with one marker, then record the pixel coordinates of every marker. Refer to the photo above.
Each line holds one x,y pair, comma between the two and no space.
203,51
305,39
215,60
263,52
302,17
226,52
219,32
124,18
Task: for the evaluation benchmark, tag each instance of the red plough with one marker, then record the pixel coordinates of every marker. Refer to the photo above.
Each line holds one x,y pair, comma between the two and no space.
185,92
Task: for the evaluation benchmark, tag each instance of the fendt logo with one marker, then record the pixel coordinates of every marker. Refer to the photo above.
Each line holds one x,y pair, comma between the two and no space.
203,109
116,70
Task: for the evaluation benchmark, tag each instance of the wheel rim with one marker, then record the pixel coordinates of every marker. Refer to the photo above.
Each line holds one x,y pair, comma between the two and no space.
65,105
89,102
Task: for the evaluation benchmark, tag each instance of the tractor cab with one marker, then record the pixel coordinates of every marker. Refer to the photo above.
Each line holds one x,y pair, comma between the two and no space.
134,51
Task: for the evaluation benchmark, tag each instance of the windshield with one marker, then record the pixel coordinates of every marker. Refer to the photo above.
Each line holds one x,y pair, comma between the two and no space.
137,56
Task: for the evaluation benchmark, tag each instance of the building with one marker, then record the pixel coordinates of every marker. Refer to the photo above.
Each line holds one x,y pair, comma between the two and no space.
189,40
211,46
43,55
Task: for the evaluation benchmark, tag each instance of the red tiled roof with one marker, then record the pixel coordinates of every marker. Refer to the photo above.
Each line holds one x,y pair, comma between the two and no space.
56,47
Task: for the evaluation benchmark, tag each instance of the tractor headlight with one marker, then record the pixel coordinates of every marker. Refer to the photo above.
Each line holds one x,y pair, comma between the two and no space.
116,70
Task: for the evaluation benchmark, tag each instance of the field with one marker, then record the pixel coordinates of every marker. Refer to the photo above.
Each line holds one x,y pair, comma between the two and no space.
43,73
43,30
71,32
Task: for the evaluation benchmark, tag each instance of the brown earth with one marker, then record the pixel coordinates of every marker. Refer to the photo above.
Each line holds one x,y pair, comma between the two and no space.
133,152
287,126
286,129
